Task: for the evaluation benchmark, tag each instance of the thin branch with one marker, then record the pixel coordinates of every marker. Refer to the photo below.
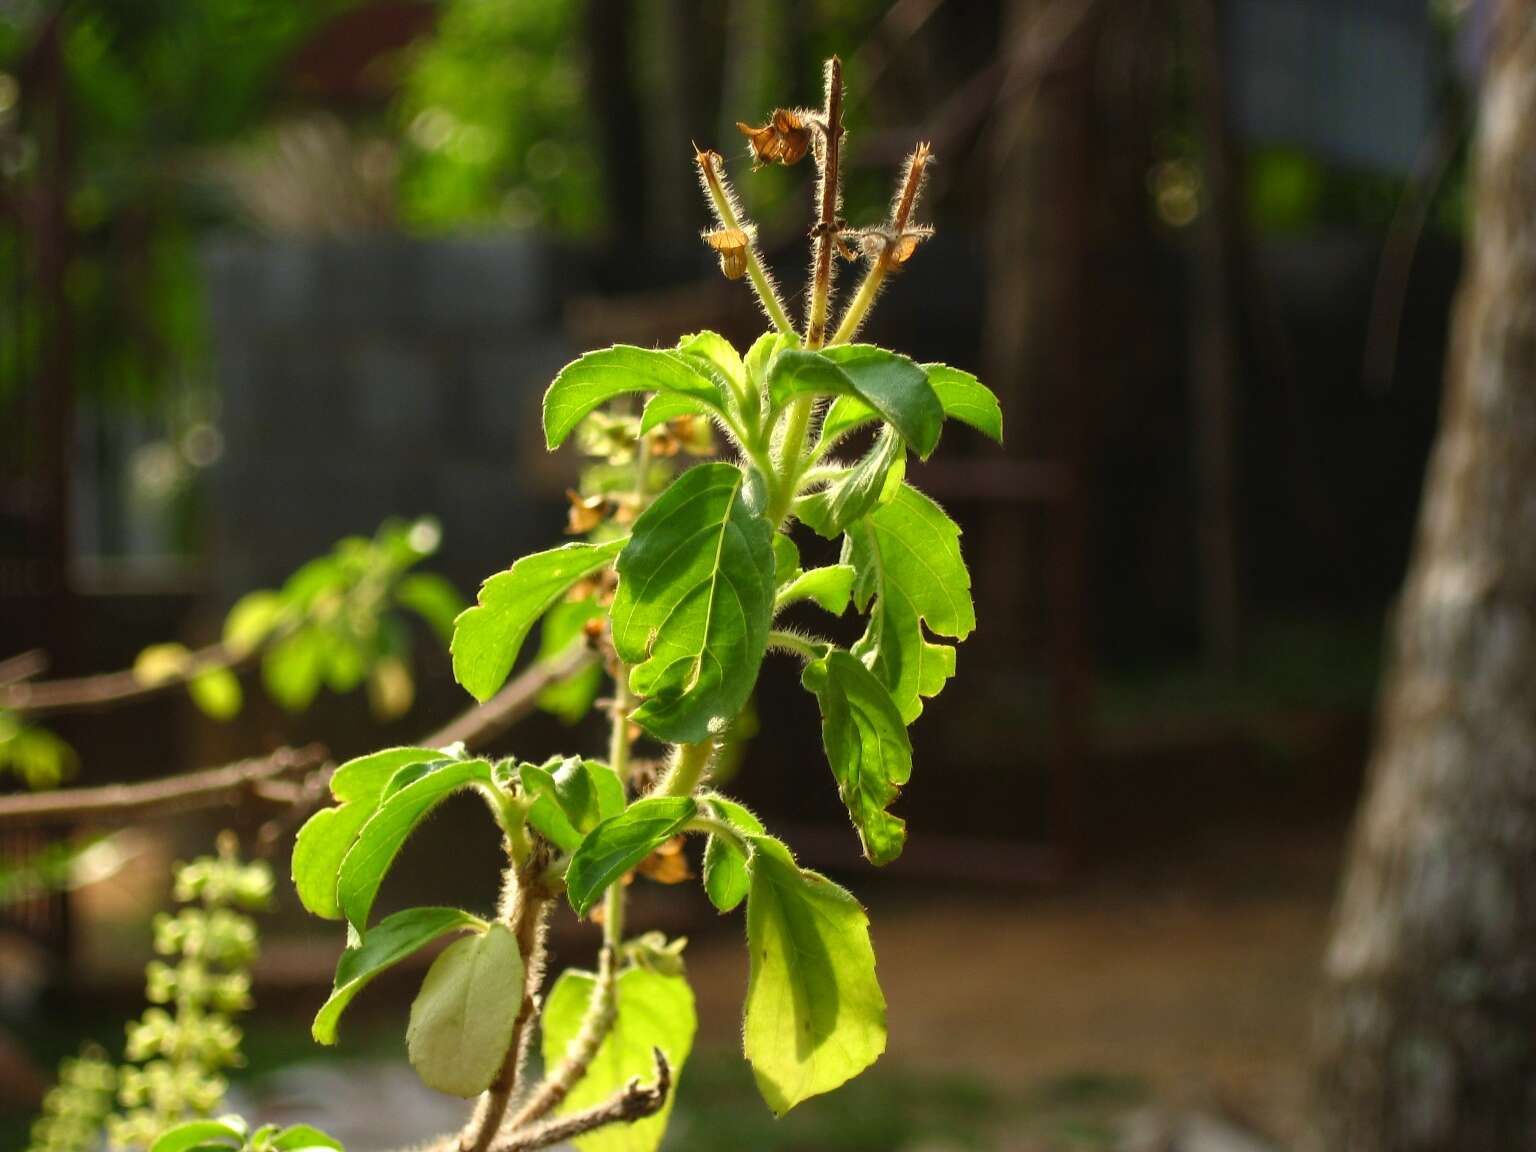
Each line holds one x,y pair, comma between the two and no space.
484,722
108,689
602,1012
23,666
632,1102
253,780
228,786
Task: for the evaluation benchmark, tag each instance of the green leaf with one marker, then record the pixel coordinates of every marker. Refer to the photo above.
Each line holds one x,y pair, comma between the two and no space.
216,691
294,668
829,587
327,836
695,602
572,800
161,664
365,865
759,358
815,1015
873,481
805,372
300,1137
666,406
251,621
654,1011
846,414
867,746
570,699
463,1017
226,1132
597,377
713,355
786,560
897,389
725,865
432,598
388,942
966,399
907,556
487,638
366,777
620,842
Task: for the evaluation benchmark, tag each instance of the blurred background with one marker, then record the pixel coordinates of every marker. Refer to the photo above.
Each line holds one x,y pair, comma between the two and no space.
271,272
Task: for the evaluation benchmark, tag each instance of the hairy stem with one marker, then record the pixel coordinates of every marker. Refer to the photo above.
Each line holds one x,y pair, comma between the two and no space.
527,907
885,260
724,205
823,235
689,763
634,1101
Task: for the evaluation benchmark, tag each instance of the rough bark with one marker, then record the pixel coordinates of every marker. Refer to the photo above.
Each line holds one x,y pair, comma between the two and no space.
1427,1031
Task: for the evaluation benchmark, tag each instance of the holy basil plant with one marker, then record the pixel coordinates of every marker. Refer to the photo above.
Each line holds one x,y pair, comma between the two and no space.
707,463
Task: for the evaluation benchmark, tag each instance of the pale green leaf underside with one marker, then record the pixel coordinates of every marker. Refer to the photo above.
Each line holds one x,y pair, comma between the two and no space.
815,1015
694,603
867,746
488,637
462,1019
592,380
380,840
907,556
390,941
619,843
654,1011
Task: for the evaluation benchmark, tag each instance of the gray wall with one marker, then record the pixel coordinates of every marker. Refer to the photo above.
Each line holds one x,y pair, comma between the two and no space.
373,378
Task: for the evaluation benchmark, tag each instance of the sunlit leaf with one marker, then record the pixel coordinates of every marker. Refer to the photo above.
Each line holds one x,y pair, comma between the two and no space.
867,747
380,839
873,481
907,556
594,379
694,603
619,843
216,690
655,1010
966,399
725,863
488,637
815,1015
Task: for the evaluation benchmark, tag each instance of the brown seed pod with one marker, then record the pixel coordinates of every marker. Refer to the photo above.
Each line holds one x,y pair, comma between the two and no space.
585,513
731,244
785,139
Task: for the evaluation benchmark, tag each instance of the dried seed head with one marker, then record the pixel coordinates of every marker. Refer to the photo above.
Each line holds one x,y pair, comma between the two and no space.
785,139
667,864
585,513
731,245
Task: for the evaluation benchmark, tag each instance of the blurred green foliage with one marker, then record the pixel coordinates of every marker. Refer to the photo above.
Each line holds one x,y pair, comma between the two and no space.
494,124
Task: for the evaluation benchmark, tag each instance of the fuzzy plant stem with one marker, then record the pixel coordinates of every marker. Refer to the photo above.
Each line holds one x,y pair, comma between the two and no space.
527,906
724,205
883,261
823,236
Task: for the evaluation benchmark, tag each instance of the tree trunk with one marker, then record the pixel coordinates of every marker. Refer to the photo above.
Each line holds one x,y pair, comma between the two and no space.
1427,1034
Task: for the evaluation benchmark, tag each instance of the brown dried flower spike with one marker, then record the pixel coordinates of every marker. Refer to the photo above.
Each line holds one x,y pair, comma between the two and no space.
784,140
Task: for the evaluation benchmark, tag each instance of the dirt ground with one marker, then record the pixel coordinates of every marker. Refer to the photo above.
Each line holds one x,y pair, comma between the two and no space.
1194,977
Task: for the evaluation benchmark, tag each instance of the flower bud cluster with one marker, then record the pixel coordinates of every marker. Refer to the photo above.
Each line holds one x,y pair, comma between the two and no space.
75,1109
178,1050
